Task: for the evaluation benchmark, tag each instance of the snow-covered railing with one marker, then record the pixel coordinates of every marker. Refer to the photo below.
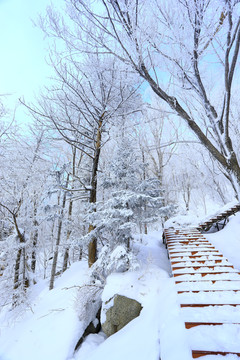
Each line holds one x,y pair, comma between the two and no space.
222,215
219,218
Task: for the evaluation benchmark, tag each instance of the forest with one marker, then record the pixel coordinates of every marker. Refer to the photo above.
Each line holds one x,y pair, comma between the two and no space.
139,123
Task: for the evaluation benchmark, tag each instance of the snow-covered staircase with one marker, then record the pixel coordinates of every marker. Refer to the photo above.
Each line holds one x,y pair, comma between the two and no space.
219,217
208,289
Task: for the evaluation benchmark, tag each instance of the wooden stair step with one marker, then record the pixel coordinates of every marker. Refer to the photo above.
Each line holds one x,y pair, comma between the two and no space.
194,247
193,252
207,277
203,305
204,291
204,274
198,353
202,266
180,250
185,237
197,256
186,242
196,281
219,285
203,269
190,246
199,262
186,234
189,325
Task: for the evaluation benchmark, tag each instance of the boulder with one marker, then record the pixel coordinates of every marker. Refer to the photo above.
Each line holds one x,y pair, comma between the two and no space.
93,328
120,313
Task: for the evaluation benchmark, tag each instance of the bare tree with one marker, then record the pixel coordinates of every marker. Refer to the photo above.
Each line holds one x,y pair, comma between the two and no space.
85,101
22,175
172,47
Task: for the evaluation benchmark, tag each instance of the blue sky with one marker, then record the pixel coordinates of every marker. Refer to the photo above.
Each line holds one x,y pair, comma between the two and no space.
23,49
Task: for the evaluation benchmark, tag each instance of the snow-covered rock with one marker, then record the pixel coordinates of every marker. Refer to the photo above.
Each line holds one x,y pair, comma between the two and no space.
120,313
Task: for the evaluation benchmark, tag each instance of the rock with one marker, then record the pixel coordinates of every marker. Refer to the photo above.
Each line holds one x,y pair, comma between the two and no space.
120,314
93,328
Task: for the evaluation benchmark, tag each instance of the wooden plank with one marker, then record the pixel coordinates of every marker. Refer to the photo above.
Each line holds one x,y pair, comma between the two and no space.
193,252
203,291
196,262
202,281
212,267
198,353
195,256
203,305
189,325
204,274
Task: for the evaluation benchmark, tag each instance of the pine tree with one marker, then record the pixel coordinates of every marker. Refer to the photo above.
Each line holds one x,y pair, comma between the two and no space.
131,201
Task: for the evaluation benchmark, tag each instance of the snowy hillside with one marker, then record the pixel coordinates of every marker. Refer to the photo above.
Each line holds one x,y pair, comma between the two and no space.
49,327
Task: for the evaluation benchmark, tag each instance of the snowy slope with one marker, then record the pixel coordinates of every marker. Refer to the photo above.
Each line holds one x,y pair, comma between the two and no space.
49,327
228,240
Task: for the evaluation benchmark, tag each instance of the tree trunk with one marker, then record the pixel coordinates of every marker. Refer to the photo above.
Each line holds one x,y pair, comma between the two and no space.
145,229
80,254
144,178
70,209
55,256
92,247
16,281
35,239
17,268
19,255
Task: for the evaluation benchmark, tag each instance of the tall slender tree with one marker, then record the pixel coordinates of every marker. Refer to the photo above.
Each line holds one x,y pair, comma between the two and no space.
83,104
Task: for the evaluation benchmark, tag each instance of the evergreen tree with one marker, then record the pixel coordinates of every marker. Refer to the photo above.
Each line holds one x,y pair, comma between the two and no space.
131,201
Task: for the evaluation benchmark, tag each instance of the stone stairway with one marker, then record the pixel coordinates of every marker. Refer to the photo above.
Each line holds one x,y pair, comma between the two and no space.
208,288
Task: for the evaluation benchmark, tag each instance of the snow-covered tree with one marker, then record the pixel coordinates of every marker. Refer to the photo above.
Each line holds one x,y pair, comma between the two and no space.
86,99
131,200
23,188
188,53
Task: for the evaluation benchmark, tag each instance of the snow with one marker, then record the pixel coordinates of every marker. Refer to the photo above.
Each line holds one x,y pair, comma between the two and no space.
50,326
207,285
220,210
226,297
225,313
228,241
191,220
140,338
179,221
204,269
220,337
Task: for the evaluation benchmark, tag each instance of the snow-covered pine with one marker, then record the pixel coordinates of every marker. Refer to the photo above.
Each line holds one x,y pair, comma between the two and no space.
131,202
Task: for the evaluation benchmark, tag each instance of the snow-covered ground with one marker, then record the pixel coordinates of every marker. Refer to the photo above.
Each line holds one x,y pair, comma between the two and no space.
228,240
49,328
